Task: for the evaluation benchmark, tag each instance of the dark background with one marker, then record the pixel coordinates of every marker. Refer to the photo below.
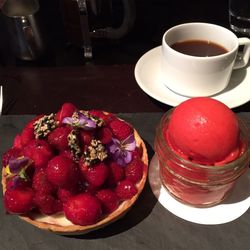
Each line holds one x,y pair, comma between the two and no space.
153,17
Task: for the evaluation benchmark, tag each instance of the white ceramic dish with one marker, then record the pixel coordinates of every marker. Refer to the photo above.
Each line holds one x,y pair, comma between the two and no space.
148,76
232,208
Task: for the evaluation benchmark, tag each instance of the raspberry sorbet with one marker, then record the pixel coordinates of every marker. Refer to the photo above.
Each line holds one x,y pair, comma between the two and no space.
203,147
205,131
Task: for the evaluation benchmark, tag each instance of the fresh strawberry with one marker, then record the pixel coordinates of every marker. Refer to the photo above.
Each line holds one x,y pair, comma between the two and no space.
120,129
39,151
109,200
11,153
106,117
40,182
134,170
104,134
83,167
83,209
62,171
27,135
64,194
116,174
126,189
137,153
28,132
85,137
17,142
89,188
85,187
67,110
97,113
19,200
58,138
96,174
67,153
47,204
30,124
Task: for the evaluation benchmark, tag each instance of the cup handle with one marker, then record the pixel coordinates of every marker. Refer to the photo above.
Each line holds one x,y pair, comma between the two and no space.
243,57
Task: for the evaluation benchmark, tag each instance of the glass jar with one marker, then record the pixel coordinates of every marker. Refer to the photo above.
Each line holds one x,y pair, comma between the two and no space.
195,184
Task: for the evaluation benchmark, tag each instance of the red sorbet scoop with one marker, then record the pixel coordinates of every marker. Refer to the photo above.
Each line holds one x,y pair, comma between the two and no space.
205,131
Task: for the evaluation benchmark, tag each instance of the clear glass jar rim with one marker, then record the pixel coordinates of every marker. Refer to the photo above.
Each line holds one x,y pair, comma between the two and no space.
244,129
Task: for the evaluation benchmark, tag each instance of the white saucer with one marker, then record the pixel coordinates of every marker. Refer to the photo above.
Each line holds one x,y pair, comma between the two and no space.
232,208
147,75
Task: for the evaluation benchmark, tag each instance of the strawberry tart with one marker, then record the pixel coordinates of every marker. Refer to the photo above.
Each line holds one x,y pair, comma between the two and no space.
74,171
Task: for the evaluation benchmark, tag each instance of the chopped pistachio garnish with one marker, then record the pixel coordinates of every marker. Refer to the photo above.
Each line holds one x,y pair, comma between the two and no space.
98,121
73,143
44,126
95,152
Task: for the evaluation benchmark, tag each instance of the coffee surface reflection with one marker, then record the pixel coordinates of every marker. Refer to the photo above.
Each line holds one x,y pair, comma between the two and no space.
199,48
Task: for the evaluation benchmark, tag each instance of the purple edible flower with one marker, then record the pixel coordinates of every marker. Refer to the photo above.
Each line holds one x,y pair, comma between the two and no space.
16,164
121,151
80,121
17,181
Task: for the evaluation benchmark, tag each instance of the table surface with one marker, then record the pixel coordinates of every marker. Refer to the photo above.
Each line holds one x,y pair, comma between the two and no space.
148,225
42,90
36,90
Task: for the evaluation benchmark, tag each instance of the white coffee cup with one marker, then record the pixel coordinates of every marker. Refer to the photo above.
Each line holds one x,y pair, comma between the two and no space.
194,76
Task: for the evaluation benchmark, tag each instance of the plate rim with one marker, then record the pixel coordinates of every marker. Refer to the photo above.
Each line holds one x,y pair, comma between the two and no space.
176,99
159,191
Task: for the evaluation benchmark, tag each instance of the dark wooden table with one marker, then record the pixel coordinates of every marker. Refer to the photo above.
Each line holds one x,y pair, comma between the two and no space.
35,90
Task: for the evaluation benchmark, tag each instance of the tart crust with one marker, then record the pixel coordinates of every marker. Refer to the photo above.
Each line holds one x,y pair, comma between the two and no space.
59,224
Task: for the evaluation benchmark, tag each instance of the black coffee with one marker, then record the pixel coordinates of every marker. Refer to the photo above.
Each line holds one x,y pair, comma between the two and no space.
200,48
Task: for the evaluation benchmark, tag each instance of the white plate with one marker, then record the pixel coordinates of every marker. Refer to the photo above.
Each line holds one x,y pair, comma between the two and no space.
147,75
232,208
